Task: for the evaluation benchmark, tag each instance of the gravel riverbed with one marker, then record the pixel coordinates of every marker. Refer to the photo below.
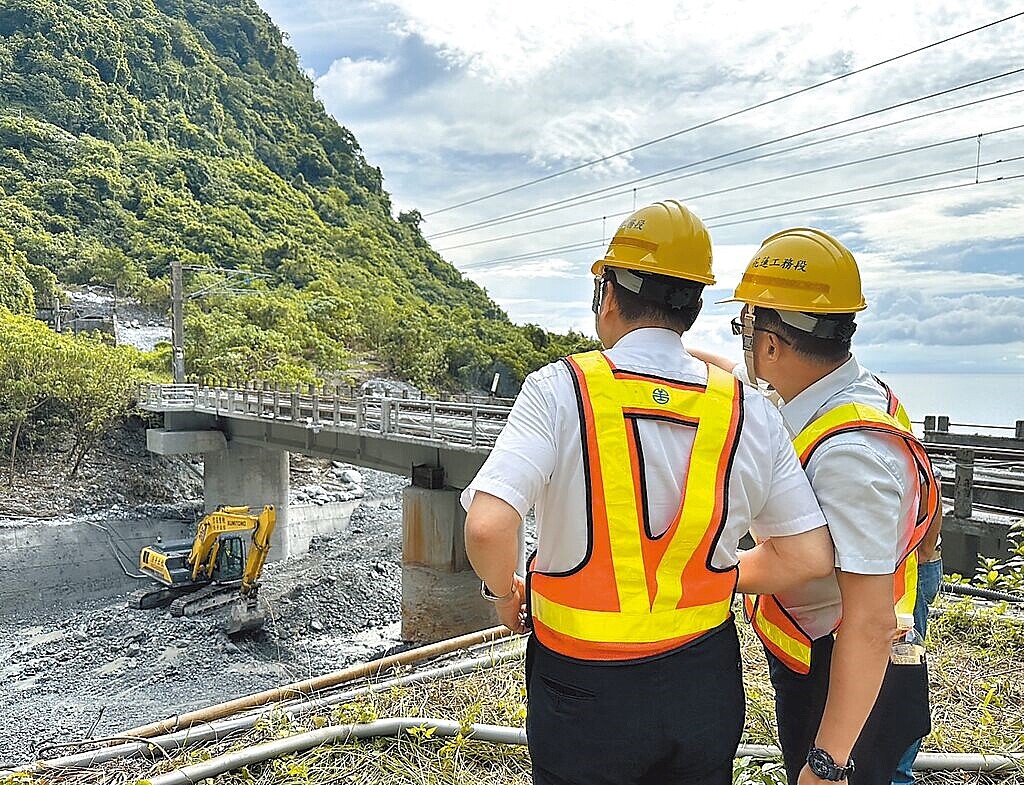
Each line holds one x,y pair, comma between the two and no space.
96,667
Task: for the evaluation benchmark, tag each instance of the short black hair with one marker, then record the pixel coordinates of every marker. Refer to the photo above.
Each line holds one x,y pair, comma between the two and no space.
635,308
823,350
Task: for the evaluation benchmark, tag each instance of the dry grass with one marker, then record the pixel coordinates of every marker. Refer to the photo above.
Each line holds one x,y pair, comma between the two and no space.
977,693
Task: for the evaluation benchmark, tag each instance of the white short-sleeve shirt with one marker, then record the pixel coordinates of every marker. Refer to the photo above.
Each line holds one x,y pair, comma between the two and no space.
865,485
538,459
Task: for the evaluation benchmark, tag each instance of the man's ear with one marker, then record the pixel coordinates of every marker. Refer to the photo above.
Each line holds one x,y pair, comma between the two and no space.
609,302
772,347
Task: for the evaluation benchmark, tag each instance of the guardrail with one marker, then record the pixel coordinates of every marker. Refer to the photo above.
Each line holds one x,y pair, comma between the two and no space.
466,425
475,426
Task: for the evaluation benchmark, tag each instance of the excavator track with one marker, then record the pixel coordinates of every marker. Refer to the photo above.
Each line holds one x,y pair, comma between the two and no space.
211,596
245,615
155,596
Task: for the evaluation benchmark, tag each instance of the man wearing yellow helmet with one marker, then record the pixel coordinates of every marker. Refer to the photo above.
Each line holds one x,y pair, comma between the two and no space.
875,486
645,467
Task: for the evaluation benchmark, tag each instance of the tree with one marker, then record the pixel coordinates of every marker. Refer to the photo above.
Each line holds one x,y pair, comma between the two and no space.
27,375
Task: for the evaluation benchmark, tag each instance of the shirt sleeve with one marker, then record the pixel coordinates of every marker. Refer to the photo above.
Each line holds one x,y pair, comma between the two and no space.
524,455
790,506
861,495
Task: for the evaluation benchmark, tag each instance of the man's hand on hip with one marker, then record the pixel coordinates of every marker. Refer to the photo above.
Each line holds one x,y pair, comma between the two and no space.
512,612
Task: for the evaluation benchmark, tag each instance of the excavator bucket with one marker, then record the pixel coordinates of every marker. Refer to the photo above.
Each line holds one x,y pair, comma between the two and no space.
245,617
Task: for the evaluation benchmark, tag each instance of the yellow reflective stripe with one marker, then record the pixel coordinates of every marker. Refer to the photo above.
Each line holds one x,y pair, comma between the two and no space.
767,630
701,497
842,415
902,417
616,483
649,627
908,601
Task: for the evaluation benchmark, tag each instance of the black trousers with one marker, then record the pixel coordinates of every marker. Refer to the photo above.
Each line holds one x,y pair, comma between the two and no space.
901,715
674,720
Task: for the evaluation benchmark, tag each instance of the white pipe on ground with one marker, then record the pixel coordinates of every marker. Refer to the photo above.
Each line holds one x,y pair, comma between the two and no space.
495,734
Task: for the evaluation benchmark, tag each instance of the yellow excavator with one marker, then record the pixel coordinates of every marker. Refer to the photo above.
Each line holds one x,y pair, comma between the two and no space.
212,571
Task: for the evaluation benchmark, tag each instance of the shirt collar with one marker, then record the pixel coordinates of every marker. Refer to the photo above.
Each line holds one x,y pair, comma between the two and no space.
806,404
648,338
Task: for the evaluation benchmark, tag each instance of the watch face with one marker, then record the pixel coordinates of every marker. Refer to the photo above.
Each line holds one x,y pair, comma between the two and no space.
821,763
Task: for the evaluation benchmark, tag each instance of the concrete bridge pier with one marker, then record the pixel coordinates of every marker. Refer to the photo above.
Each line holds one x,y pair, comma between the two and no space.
234,473
242,474
440,592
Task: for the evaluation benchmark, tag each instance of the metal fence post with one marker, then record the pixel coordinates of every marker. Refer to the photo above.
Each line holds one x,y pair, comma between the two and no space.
963,488
473,442
943,424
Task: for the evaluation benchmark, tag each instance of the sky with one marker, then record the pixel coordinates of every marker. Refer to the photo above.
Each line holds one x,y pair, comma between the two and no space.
457,101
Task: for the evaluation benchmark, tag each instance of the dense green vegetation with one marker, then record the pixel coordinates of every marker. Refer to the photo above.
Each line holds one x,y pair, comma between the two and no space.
134,132
52,383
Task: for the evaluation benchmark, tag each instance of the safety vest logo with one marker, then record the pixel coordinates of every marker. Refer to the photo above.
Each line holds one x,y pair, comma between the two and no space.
660,395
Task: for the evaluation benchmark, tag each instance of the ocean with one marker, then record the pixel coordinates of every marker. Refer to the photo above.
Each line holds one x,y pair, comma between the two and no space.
976,399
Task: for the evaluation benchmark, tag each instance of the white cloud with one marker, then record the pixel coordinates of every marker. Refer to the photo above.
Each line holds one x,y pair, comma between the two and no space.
350,81
494,94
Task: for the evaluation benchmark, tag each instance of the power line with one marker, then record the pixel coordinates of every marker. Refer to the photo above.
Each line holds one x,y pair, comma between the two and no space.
719,119
526,256
759,157
576,199
780,178
872,200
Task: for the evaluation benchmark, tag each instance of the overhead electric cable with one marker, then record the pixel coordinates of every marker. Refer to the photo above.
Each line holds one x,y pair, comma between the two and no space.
719,119
730,164
937,189
573,200
541,253
744,186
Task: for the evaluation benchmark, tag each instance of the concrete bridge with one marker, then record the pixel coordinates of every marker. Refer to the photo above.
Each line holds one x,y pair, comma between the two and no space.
246,434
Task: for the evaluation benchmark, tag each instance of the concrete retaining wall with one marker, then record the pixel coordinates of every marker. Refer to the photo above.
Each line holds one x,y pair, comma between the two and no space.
306,521
43,562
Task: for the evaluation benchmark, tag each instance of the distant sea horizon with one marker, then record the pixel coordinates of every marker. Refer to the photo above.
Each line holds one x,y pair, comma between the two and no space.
972,398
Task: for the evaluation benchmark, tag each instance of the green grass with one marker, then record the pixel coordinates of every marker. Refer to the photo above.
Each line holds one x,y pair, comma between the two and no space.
976,662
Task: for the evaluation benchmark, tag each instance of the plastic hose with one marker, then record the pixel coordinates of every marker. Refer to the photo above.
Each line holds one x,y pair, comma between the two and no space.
985,594
298,689
495,734
221,729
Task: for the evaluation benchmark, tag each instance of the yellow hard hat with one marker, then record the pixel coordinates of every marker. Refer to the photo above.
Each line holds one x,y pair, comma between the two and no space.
663,238
802,270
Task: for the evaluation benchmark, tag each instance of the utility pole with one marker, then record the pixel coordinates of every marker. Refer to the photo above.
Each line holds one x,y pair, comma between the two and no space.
177,324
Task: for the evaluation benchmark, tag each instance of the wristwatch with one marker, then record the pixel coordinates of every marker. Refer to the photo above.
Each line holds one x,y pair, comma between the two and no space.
488,595
822,765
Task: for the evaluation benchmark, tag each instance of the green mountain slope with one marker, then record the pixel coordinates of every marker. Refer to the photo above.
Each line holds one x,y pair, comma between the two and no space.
134,132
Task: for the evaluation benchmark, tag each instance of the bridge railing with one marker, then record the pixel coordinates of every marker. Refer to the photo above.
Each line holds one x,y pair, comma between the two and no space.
471,425
167,397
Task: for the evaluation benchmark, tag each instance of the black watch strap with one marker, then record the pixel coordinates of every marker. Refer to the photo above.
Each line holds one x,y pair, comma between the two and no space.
824,767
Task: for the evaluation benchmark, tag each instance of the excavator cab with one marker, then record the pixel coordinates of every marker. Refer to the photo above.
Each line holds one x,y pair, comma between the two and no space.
230,560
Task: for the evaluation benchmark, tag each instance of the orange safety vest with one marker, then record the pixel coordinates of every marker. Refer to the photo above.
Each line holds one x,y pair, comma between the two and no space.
774,625
637,595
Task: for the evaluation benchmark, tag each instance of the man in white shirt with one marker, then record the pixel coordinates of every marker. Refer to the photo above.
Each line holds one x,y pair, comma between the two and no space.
645,467
874,485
